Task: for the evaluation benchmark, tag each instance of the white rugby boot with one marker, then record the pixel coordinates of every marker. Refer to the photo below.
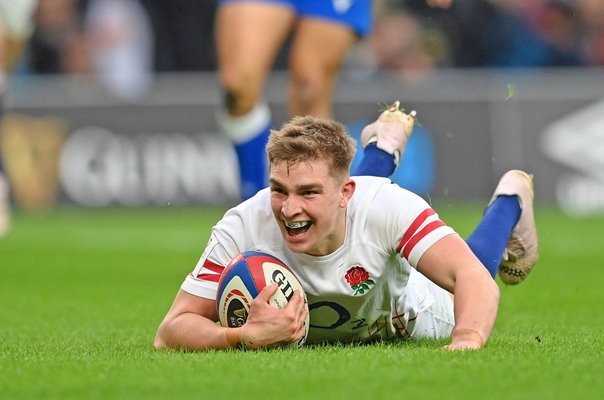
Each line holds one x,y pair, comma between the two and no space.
4,207
390,132
522,251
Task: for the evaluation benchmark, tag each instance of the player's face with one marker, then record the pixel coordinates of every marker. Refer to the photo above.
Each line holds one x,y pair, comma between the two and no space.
310,206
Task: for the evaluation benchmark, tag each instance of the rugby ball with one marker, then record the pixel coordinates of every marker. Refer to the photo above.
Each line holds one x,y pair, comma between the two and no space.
243,279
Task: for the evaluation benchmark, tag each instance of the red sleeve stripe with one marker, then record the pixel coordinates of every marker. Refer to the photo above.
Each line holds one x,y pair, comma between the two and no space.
212,267
207,264
413,227
420,235
209,277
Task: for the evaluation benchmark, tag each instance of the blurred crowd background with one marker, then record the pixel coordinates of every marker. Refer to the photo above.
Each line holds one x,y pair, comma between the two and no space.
59,138
126,42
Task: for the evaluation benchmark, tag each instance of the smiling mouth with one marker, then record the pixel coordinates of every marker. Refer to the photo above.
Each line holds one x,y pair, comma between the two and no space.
297,228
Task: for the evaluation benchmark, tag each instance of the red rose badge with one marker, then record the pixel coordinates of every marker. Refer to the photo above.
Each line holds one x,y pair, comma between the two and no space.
358,278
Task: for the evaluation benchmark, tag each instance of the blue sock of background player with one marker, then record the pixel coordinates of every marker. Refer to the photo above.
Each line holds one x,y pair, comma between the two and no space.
489,239
252,164
249,135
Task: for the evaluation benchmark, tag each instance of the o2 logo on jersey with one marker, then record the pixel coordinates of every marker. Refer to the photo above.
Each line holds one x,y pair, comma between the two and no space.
339,316
340,313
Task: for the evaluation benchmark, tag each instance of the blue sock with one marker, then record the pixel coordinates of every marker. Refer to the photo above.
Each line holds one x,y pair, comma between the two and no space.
253,168
375,162
490,238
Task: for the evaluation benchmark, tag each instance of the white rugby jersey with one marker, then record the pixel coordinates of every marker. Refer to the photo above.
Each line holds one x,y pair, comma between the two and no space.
362,290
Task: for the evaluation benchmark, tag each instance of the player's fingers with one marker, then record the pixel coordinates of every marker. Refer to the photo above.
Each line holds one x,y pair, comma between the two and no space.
298,306
300,332
294,302
268,291
301,323
304,313
302,306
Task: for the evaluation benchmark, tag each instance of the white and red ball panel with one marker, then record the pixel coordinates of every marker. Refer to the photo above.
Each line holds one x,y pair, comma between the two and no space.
235,304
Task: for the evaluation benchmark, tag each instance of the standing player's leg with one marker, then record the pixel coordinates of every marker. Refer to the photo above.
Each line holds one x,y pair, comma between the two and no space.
325,32
324,35
248,37
506,240
317,52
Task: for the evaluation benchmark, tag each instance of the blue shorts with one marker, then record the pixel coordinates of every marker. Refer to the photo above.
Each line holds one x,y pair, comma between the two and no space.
355,14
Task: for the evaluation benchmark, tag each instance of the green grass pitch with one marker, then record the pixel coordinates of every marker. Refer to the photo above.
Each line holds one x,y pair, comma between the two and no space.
82,293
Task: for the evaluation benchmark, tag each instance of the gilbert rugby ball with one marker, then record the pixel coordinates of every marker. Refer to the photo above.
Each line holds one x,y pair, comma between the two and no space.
243,279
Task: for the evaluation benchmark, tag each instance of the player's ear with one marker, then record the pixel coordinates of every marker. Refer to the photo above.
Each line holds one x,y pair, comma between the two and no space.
348,189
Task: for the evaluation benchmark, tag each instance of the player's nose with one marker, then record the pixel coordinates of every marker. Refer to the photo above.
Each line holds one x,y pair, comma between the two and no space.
291,207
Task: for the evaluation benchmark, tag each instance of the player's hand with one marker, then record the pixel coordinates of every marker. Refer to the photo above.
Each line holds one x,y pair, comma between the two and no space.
439,3
267,326
465,339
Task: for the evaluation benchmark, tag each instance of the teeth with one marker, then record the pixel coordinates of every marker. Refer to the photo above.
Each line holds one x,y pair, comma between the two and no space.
294,225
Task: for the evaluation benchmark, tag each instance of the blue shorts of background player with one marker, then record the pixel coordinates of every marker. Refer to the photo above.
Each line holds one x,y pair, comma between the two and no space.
356,14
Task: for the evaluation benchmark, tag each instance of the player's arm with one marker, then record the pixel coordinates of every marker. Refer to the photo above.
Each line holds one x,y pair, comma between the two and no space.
190,324
451,264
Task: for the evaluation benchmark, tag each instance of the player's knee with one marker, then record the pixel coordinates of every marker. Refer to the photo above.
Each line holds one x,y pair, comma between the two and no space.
307,92
241,92
311,84
237,103
230,101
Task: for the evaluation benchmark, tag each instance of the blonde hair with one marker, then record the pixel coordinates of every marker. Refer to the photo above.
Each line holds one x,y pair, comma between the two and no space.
305,139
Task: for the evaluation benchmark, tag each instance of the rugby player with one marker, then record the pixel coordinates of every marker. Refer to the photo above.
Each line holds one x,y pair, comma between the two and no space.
336,231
